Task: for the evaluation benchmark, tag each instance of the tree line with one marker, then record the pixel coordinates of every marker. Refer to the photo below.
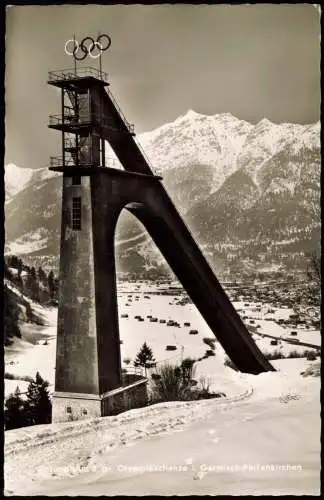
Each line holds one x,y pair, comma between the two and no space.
38,285
35,409
10,316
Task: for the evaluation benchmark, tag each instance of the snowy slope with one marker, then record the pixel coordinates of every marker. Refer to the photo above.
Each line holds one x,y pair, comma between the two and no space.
142,452
259,411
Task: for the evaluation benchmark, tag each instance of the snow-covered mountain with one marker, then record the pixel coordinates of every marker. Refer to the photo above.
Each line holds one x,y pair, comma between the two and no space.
194,139
18,178
231,181
268,210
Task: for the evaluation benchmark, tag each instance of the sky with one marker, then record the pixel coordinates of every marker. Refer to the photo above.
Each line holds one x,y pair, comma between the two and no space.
252,61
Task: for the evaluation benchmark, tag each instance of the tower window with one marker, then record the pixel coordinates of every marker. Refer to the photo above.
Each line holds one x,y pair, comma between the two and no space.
76,213
76,180
68,409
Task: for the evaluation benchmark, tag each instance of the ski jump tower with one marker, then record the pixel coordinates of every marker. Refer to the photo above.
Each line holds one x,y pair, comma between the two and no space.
88,380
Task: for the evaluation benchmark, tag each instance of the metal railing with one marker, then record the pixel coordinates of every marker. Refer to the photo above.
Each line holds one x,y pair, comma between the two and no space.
71,119
69,161
155,170
144,155
57,161
76,73
95,120
129,126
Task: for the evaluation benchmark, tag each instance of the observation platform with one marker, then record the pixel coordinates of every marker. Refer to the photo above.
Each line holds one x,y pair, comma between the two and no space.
79,80
76,78
73,124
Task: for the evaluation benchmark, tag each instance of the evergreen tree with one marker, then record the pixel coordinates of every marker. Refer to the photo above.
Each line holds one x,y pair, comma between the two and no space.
19,282
44,294
56,287
11,316
51,284
7,272
14,411
32,287
13,261
39,406
42,275
33,273
29,312
145,357
19,266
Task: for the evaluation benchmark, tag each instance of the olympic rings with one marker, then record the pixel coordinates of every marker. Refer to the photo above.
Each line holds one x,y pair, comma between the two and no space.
87,46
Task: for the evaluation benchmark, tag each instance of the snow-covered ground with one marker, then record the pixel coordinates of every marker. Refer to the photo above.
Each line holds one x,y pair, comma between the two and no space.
24,358
216,446
264,440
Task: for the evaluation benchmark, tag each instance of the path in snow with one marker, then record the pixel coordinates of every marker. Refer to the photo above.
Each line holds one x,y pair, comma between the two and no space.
278,425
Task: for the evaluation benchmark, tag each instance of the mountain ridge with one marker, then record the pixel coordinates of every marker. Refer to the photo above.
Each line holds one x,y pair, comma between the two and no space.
217,169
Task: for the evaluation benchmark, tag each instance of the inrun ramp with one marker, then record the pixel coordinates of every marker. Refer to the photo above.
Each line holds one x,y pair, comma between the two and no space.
174,240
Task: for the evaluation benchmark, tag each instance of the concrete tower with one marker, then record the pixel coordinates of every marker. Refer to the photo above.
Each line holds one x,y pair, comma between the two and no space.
88,379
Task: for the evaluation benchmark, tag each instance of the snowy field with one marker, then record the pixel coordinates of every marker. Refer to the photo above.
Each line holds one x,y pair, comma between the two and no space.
29,354
263,438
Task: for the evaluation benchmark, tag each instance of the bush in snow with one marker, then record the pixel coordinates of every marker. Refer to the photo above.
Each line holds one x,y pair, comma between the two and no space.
295,354
202,389
311,355
173,383
274,355
169,385
176,383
